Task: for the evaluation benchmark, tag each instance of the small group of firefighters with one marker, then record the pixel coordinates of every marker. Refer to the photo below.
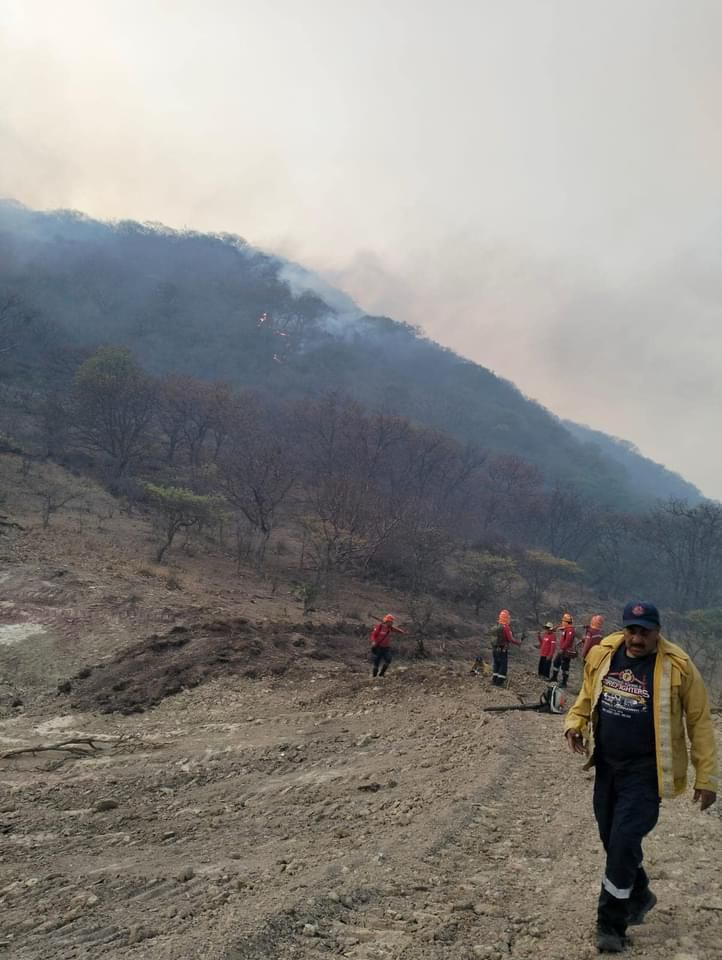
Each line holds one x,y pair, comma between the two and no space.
558,646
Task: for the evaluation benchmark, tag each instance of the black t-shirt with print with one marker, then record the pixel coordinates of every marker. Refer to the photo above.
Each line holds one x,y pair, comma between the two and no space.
625,729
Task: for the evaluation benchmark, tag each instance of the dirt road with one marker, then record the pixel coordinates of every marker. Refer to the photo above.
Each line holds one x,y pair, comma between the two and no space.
321,813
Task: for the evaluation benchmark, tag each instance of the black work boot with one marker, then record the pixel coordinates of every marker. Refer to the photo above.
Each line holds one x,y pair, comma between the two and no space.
609,941
639,907
612,919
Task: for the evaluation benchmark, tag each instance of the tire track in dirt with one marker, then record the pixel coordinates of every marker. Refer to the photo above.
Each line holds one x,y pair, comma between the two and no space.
384,925
518,865
546,863
294,819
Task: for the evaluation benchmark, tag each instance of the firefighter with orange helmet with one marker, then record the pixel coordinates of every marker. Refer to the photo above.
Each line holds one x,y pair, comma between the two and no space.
593,634
381,644
503,639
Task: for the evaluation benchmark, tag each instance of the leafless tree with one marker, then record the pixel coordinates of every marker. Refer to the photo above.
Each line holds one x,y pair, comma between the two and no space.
509,499
568,522
687,543
115,406
540,571
610,559
257,471
54,421
53,497
15,317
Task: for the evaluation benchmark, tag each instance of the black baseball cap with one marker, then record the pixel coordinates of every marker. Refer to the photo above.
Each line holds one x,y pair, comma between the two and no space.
640,613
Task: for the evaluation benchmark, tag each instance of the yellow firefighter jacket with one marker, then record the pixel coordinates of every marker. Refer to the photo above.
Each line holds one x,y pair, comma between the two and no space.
679,692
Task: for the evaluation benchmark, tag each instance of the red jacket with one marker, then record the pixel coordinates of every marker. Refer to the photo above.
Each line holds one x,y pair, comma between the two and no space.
381,635
547,643
591,639
566,640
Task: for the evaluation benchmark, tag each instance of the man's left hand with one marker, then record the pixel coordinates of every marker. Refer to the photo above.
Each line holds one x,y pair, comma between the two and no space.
575,742
705,798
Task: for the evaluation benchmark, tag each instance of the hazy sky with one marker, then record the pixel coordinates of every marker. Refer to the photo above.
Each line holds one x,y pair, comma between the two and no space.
538,183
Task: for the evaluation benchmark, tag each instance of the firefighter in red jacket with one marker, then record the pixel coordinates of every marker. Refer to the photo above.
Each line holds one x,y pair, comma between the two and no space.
381,644
593,634
547,646
503,638
567,649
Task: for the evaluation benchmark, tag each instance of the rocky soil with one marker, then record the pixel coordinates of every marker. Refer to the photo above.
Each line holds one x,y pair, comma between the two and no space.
230,784
324,813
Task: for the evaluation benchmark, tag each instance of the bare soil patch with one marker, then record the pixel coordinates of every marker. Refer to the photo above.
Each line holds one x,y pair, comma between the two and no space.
272,800
321,813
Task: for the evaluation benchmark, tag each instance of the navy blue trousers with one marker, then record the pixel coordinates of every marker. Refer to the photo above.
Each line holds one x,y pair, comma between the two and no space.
381,660
626,805
500,666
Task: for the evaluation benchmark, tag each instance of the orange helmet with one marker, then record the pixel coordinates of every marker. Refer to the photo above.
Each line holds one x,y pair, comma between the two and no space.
504,617
389,618
567,618
596,622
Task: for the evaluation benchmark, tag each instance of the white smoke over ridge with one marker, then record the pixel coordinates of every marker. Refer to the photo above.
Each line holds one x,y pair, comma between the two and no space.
344,319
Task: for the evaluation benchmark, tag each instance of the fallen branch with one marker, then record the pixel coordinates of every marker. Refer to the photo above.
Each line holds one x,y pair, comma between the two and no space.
76,746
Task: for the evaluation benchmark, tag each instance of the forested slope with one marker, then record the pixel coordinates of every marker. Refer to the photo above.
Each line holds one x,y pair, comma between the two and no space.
214,307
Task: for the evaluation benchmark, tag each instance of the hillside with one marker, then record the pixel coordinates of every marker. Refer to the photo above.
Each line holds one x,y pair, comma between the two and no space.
214,307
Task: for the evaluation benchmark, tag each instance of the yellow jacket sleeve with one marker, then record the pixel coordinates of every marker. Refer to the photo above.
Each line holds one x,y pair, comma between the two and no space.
700,730
580,713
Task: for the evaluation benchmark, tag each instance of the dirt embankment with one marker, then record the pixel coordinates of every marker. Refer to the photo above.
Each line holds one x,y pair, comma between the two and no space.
186,656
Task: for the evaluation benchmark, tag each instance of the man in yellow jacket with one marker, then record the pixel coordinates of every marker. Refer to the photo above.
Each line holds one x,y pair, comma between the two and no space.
639,692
